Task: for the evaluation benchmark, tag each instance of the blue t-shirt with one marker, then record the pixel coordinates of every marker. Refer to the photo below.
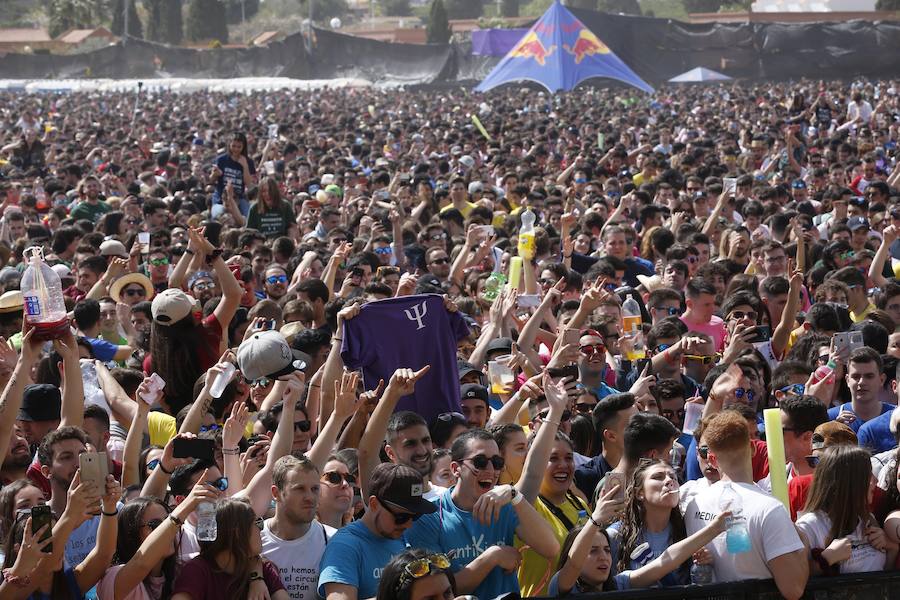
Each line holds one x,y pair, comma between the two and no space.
410,332
876,434
659,542
101,349
463,539
232,172
356,556
834,411
622,581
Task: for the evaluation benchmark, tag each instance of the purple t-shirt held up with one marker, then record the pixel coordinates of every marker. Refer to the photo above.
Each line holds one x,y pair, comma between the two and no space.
408,332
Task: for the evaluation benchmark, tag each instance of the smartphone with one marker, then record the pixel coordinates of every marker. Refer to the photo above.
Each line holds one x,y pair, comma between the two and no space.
195,448
94,468
40,516
846,342
273,131
562,372
729,184
571,336
763,334
610,480
486,231
601,141
528,300
144,241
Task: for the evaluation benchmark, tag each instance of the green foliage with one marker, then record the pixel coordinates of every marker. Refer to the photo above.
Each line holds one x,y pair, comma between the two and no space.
172,22
887,5
625,7
74,14
702,6
464,9
135,27
325,9
586,4
206,21
509,8
395,8
233,10
438,30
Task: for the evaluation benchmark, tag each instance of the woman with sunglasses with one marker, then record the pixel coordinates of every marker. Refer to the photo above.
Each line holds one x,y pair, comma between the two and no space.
841,532
230,566
417,575
336,493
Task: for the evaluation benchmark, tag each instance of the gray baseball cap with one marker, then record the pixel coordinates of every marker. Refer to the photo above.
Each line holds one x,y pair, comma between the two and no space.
267,354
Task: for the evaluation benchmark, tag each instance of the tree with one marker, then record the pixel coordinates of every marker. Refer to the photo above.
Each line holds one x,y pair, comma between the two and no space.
438,31
206,21
509,8
585,4
703,6
74,14
395,8
172,22
233,10
464,9
625,7
887,5
135,28
325,9
155,32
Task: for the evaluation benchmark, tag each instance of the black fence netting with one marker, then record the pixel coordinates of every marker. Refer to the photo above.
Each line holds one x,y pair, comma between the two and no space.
859,586
657,49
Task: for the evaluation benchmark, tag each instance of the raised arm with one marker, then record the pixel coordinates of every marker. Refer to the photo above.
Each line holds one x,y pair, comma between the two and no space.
95,564
19,377
116,268
123,408
72,384
529,483
345,404
782,333
130,470
712,220
889,235
159,478
190,261
333,364
329,275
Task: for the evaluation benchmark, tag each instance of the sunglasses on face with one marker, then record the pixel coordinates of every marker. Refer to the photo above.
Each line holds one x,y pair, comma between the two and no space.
592,349
202,287
741,393
812,461
441,261
703,359
795,389
584,407
273,279
213,427
740,314
437,237
220,484
661,348
302,426
423,566
399,518
135,292
159,262
481,462
545,414
703,451
385,250
670,310
335,478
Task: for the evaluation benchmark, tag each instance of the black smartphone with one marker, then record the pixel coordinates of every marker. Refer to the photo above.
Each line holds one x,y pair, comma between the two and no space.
763,334
40,516
561,372
195,448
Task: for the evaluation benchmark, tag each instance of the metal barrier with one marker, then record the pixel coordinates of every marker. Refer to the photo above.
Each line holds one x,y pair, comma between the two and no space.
878,585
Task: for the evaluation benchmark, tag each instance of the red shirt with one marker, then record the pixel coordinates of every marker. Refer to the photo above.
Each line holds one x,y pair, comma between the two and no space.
74,293
798,490
202,580
760,459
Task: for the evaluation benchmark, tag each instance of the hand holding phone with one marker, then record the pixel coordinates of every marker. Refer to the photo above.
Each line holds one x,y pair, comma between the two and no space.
200,448
40,517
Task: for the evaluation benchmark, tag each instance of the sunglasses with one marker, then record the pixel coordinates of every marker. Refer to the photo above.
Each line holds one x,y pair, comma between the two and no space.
437,237
740,314
544,414
661,348
385,250
159,262
593,349
584,407
260,523
153,464
449,416
276,279
441,261
213,427
670,310
136,292
703,451
220,484
812,461
424,566
335,478
744,393
399,518
302,426
703,359
202,287
481,462
795,389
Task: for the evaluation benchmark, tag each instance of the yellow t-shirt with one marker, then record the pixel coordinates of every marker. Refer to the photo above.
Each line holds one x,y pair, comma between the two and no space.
535,569
856,318
161,427
467,208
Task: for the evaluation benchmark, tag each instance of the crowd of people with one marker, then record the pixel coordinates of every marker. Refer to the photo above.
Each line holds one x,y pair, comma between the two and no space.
421,403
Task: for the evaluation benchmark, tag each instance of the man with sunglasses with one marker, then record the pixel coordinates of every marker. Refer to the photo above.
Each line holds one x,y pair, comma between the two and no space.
476,521
663,303
355,557
592,364
275,282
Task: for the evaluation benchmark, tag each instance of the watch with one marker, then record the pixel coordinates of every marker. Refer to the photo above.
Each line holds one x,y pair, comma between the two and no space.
516,496
254,576
213,256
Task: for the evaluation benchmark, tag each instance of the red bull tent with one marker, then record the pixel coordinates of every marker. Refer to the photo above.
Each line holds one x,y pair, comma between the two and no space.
559,52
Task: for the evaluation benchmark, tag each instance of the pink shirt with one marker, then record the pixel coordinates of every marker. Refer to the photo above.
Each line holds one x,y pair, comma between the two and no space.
714,329
107,587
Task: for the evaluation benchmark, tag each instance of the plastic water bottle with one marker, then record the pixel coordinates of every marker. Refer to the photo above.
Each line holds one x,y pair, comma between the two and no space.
40,196
632,324
206,522
526,235
45,308
93,393
701,574
493,285
824,372
737,537
222,379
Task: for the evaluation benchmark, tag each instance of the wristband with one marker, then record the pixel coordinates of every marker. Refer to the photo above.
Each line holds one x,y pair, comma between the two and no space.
15,580
164,469
189,251
109,514
213,256
231,451
516,496
176,520
595,523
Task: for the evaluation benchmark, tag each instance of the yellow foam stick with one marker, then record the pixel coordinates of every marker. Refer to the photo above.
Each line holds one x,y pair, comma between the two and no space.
480,127
515,272
775,444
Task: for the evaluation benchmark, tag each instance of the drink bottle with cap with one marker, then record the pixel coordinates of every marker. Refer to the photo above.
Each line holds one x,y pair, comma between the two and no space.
493,285
207,531
632,324
701,574
45,308
526,235
824,372
737,537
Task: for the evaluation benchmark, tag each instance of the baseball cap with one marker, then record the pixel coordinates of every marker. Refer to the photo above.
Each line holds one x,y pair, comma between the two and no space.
503,343
465,367
832,433
113,248
467,160
171,306
473,390
401,487
855,223
40,402
267,354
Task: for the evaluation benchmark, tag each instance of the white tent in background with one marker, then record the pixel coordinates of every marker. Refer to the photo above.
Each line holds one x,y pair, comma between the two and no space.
700,75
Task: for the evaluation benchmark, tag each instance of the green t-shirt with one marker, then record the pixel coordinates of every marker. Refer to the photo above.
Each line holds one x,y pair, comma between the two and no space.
272,223
92,212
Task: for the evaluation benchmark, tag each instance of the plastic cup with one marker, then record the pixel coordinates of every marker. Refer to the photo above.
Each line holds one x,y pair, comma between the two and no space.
500,375
692,414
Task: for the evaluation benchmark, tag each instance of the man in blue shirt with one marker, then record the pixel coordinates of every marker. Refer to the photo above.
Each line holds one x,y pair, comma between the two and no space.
865,380
879,434
476,521
355,557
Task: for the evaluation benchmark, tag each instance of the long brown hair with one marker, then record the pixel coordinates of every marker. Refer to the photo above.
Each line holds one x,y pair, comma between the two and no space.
840,488
632,527
272,193
234,518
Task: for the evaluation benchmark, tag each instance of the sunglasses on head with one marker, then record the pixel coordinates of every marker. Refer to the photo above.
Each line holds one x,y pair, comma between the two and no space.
400,518
481,462
740,393
335,478
276,279
424,566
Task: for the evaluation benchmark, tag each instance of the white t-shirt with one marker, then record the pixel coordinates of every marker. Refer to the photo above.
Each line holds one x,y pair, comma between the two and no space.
691,488
298,560
434,493
188,546
769,525
816,526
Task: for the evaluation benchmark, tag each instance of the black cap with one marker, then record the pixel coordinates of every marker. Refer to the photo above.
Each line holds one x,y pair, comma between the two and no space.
473,390
503,343
400,486
466,367
40,402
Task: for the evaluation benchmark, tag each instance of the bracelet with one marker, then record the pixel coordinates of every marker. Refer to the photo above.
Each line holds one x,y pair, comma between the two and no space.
315,385
176,520
231,451
254,576
15,580
567,256
557,423
109,514
337,339
164,469
596,524
189,251
516,496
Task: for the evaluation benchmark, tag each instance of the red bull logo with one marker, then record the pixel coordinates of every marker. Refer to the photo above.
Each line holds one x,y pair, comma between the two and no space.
531,47
587,44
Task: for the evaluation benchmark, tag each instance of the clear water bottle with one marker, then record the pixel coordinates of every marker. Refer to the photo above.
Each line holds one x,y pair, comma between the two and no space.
632,324
493,285
222,379
93,393
526,235
206,522
45,308
737,537
701,574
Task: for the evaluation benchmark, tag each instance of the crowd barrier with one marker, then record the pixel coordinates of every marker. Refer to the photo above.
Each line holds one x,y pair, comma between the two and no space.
879,585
